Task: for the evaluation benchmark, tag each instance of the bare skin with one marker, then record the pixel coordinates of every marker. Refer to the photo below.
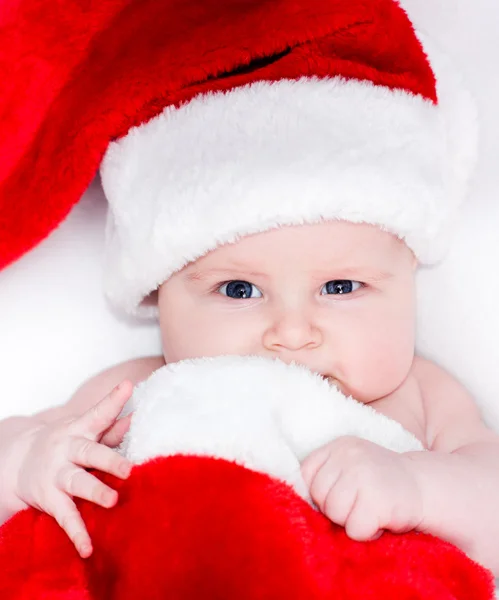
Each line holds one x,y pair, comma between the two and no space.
339,299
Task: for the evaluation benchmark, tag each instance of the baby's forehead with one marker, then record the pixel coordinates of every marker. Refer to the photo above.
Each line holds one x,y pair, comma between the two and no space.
305,247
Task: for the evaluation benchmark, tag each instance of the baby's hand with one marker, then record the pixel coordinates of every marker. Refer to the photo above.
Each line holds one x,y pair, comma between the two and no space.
56,455
364,488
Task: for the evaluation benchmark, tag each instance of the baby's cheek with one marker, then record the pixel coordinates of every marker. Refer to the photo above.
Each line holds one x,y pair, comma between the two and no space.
199,335
374,370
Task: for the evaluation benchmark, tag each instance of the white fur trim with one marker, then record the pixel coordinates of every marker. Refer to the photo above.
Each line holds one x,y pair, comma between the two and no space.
261,413
269,154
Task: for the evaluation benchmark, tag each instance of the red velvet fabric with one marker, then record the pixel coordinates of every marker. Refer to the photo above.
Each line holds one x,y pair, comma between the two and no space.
76,76
188,527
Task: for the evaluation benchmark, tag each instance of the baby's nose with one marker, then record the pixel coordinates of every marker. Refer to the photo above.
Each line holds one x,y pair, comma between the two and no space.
292,331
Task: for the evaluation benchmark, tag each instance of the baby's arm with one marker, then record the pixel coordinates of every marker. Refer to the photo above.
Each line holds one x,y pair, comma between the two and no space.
43,458
97,387
459,477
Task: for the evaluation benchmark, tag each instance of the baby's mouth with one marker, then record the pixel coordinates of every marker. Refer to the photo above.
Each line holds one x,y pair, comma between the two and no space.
331,380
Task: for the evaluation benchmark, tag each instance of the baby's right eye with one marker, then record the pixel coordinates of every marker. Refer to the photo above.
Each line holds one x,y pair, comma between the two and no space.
240,289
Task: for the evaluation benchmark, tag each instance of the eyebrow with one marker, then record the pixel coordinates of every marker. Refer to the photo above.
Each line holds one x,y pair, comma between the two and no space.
364,274
197,275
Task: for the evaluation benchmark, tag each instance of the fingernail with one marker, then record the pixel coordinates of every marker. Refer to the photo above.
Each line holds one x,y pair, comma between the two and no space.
85,550
109,498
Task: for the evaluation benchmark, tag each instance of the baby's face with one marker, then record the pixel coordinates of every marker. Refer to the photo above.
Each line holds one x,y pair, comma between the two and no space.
337,297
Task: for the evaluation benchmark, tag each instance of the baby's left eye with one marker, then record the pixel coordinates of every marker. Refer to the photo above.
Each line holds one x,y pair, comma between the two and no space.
340,286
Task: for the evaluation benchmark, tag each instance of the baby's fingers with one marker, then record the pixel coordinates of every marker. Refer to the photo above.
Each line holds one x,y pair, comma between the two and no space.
103,415
314,462
115,434
363,522
64,511
94,455
81,484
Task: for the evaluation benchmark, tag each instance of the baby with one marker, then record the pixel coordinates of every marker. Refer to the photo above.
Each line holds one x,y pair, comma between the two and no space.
339,298
291,230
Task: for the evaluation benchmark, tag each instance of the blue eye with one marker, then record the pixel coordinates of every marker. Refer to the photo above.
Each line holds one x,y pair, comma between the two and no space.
240,289
340,286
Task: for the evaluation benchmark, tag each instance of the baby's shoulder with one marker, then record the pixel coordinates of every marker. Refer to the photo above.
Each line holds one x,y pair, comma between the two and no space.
429,379
437,386
95,388
451,415
427,372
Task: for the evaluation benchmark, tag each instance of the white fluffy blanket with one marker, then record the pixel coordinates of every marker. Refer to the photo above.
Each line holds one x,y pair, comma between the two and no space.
261,413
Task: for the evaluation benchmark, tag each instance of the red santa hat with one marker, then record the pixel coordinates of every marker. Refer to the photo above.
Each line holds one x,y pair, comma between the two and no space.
217,119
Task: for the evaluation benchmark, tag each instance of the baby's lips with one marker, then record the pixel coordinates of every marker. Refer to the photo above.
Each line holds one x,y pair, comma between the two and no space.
333,382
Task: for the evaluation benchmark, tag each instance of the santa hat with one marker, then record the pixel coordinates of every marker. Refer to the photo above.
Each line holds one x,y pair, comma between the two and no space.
218,119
